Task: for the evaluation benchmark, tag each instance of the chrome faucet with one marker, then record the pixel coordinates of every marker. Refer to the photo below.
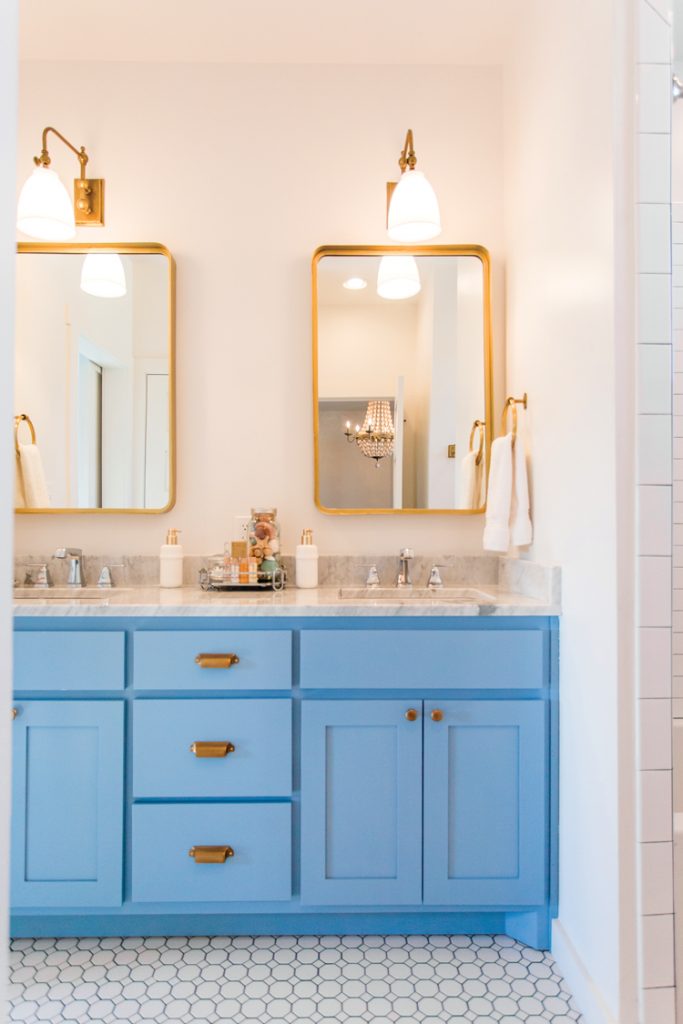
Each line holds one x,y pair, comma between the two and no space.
75,555
403,579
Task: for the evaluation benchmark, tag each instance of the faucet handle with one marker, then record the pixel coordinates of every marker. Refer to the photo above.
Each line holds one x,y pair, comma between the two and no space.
105,579
41,579
372,579
435,580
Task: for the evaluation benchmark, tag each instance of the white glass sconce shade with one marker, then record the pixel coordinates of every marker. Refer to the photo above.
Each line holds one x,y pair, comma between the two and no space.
398,277
45,209
102,275
413,209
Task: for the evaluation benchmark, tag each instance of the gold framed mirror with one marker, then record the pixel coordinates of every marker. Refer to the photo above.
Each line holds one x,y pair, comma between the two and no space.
402,379
95,386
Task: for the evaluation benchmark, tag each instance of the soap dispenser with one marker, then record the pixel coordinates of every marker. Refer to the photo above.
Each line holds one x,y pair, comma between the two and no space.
171,561
307,562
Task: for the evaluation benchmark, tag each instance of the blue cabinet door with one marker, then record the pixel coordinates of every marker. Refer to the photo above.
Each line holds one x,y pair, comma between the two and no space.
485,811
361,803
67,815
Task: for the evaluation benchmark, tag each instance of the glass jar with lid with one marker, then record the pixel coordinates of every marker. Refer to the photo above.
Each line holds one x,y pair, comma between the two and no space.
263,538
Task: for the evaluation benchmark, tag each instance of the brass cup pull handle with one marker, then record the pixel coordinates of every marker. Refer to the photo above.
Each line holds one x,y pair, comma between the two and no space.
212,748
216,660
211,854
436,715
411,714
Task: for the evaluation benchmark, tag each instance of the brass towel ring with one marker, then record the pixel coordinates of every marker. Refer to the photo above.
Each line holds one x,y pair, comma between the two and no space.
478,425
512,403
18,420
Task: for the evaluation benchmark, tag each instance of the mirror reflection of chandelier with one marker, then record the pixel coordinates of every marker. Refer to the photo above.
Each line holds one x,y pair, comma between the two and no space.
376,437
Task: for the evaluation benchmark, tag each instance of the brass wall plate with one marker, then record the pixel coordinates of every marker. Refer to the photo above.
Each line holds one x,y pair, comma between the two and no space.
89,201
451,451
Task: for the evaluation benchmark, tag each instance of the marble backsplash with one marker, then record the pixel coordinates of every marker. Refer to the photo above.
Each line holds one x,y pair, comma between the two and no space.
509,574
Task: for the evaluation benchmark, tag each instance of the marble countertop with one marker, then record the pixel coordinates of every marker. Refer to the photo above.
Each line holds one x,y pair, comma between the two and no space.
188,602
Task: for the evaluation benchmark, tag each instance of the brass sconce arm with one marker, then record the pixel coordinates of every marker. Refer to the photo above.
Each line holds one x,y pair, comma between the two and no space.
88,192
44,159
407,159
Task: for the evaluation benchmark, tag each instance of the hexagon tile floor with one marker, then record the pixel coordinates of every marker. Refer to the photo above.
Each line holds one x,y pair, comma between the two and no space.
372,980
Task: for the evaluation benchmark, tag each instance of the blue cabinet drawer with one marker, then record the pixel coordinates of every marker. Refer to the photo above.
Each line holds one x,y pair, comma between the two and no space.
259,836
431,659
259,731
169,660
69,661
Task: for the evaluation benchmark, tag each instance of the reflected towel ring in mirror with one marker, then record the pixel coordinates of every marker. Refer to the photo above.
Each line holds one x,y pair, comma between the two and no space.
512,403
478,425
18,420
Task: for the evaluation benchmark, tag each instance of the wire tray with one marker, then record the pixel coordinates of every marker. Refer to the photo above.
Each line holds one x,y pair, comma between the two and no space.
266,581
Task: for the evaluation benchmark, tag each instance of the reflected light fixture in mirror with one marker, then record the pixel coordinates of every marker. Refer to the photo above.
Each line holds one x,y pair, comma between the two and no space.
376,437
413,209
45,210
103,276
355,284
398,277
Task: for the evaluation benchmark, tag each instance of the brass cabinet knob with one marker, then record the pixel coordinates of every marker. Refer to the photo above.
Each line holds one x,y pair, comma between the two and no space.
436,715
15,712
211,854
216,660
411,714
212,748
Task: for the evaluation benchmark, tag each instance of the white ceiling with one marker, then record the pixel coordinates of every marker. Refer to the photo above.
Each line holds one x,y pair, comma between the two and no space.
268,31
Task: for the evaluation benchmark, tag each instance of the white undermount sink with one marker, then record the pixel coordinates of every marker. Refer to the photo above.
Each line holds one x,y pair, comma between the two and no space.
459,595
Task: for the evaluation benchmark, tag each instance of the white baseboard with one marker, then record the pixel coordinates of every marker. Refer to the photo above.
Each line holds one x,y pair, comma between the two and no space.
587,995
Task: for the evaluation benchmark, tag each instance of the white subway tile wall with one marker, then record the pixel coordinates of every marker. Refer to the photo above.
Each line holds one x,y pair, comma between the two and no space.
660,521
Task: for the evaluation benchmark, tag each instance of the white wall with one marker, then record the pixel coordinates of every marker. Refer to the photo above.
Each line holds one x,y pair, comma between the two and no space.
8,128
567,231
243,171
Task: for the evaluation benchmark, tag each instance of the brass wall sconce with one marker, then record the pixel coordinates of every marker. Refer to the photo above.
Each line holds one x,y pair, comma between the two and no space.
412,207
45,210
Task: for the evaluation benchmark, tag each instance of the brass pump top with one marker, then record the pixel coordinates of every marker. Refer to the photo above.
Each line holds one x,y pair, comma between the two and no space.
172,536
307,537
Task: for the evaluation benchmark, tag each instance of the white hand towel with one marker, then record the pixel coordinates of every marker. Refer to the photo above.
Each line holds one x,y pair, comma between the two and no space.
497,529
468,472
520,523
35,488
19,499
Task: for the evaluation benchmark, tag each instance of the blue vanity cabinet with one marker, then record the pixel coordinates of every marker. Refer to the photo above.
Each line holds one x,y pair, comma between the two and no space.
285,774
361,797
485,802
67,818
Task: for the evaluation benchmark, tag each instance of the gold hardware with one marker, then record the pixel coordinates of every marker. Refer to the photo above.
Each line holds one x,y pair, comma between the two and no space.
478,425
18,420
451,451
512,403
436,715
125,249
411,714
476,251
15,712
216,660
88,192
211,854
212,748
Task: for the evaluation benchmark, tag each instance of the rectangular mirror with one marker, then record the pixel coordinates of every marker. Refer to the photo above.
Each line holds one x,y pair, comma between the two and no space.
95,378
402,378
